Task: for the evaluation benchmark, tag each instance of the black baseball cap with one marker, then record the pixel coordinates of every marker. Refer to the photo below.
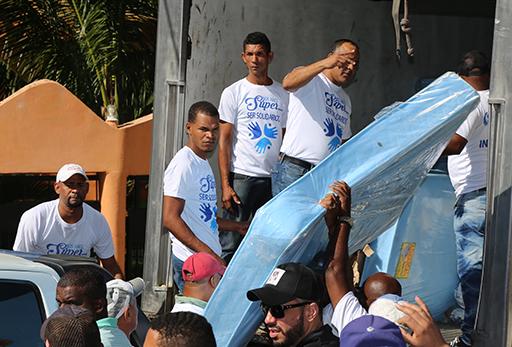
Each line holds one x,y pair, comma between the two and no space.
287,282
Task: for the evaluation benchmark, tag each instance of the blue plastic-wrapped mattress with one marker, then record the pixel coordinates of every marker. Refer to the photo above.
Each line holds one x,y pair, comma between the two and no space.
419,249
384,164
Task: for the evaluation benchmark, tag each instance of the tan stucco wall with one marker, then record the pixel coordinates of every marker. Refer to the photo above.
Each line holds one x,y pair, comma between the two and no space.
44,126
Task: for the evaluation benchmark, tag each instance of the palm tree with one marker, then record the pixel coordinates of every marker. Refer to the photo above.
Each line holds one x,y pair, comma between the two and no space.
103,51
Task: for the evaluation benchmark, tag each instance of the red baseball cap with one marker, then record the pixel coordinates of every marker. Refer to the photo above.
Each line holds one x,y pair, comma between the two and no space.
200,266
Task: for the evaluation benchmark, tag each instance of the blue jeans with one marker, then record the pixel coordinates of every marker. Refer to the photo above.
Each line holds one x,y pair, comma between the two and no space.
253,192
284,174
469,226
177,266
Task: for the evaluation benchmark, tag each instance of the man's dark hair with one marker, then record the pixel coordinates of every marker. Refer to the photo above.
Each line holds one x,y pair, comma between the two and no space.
183,329
89,279
257,38
73,331
474,63
203,107
339,42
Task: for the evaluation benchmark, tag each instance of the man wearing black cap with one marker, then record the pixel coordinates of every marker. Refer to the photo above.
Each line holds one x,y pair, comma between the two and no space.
291,303
467,166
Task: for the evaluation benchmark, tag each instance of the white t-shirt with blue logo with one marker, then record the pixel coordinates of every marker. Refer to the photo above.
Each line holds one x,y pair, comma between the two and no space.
258,114
468,170
318,120
190,177
43,231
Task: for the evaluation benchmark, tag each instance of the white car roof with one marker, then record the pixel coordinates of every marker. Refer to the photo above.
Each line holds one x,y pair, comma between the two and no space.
14,263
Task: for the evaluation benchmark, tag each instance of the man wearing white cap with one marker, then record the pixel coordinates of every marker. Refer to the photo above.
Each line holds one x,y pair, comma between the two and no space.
122,310
66,225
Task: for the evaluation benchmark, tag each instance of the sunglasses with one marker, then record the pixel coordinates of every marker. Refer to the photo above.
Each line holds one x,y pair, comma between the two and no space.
277,311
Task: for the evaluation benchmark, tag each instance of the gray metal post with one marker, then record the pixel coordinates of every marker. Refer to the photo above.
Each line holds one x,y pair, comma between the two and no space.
168,127
493,323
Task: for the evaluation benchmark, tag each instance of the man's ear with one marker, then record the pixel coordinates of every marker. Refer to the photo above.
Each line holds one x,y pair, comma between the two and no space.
86,187
270,56
187,128
312,311
56,187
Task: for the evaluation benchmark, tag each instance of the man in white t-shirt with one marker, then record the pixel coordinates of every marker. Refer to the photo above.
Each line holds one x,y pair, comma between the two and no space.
467,167
66,225
190,198
318,112
253,116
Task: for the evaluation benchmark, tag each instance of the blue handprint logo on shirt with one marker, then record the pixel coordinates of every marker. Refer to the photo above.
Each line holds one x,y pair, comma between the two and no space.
329,131
209,213
264,142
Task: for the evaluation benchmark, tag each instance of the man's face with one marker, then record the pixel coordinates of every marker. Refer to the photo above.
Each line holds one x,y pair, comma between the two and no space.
73,191
74,295
152,338
257,59
288,330
203,134
346,74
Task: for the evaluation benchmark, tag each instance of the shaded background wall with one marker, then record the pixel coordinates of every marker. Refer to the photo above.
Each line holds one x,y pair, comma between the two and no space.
301,31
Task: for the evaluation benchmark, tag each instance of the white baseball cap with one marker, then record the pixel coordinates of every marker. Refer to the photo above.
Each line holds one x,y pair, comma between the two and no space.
69,170
385,307
120,293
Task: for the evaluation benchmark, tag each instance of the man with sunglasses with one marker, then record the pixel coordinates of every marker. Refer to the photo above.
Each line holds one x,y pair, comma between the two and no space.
66,225
291,302
201,273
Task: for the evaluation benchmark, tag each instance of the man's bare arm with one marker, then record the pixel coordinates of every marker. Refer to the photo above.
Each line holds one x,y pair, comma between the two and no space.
172,209
456,145
225,148
234,226
336,275
112,266
300,76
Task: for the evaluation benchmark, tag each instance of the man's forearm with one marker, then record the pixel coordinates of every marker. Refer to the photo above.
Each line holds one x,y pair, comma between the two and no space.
301,76
337,281
225,144
182,232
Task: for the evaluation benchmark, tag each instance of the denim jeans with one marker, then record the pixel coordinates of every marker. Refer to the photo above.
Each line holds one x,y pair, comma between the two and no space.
285,173
253,192
177,265
469,226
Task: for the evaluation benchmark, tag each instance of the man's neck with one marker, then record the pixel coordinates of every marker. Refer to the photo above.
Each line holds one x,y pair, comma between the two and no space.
70,215
196,292
478,82
197,151
262,80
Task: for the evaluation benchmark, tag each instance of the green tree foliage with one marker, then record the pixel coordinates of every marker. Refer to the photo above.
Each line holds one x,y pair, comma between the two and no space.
103,51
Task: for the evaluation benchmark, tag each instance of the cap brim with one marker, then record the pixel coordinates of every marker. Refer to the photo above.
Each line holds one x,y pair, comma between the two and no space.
269,295
137,285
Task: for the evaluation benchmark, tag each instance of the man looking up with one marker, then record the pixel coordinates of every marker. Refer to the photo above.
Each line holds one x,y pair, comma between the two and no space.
66,225
189,205
318,112
253,116
467,167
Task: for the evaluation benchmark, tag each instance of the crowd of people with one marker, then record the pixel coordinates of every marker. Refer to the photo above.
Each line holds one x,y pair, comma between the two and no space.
260,128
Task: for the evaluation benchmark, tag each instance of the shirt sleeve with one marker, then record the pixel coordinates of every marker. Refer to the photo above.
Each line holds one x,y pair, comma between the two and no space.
466,128
228,106
104,247
26,236
346,310
175,179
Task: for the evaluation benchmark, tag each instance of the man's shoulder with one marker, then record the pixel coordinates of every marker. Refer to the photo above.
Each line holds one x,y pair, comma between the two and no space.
235,86
322,337
42,210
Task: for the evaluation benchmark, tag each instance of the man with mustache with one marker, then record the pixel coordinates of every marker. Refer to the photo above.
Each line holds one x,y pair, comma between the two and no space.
66,225
319,112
